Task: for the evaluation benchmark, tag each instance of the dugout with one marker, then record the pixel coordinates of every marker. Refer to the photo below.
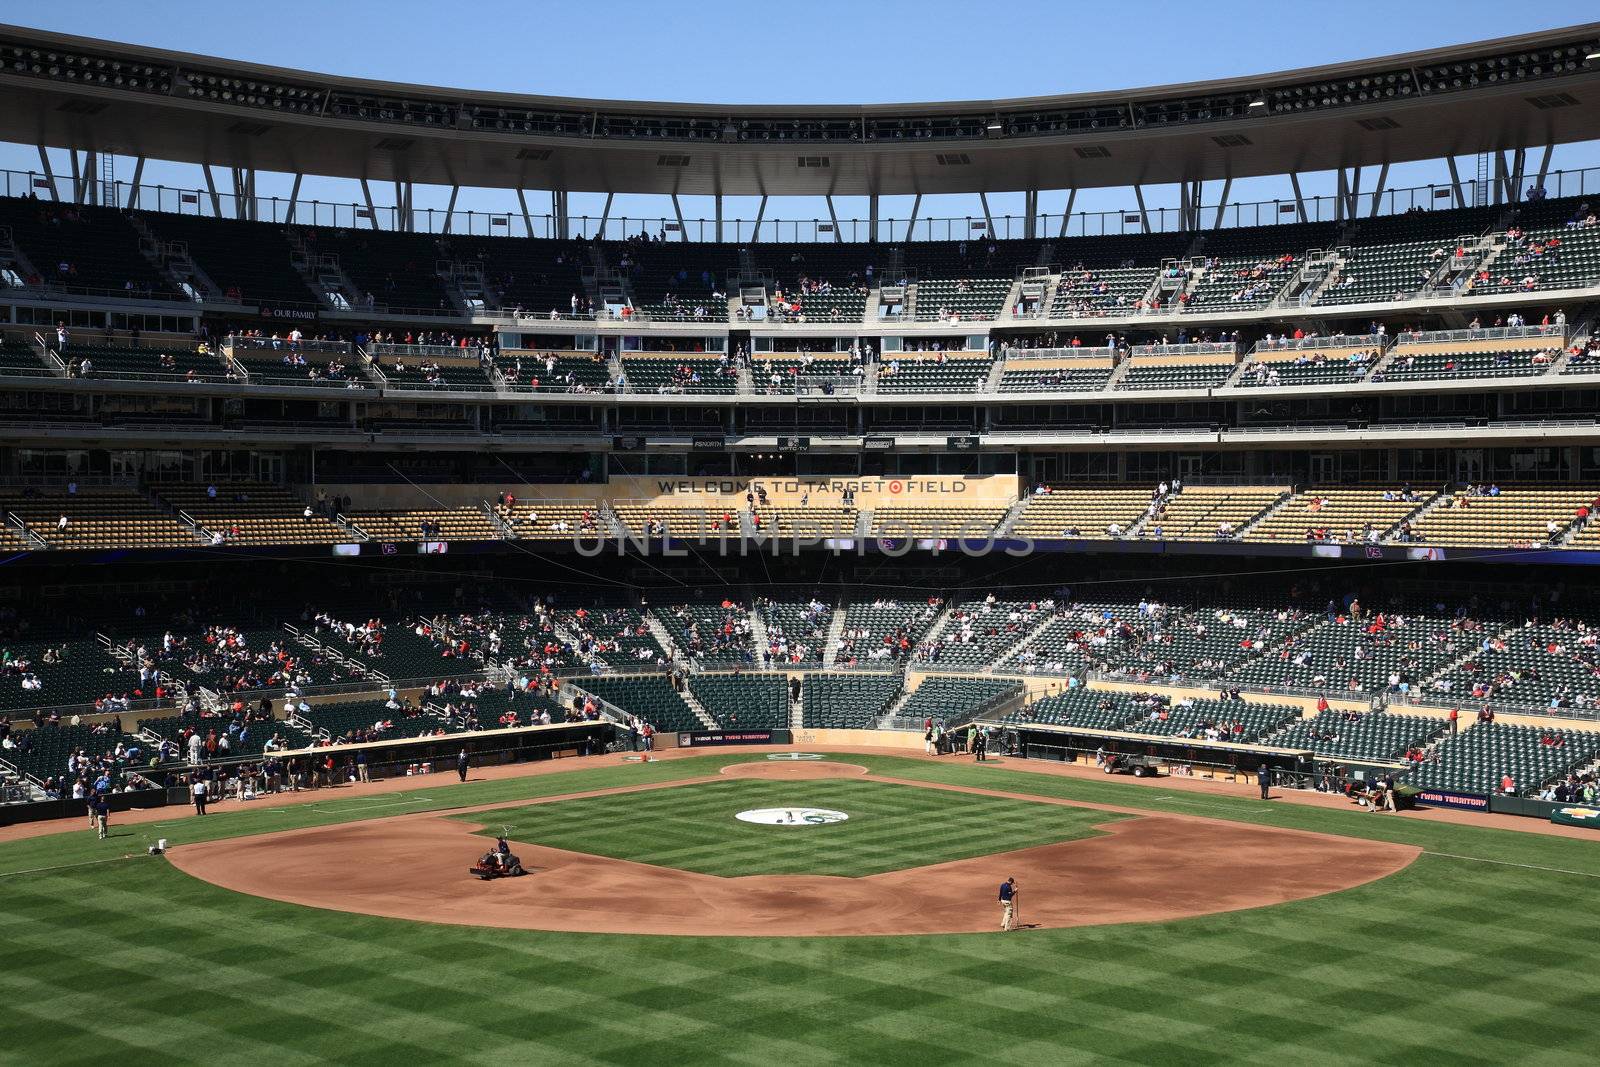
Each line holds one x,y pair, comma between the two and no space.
385,759
1069,744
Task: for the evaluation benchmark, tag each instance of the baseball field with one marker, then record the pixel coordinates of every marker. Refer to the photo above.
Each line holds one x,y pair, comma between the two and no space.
346,928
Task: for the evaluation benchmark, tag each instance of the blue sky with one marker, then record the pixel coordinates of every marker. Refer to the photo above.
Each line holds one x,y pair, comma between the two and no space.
825,51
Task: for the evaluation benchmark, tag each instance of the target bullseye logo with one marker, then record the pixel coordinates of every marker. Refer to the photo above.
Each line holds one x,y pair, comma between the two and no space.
792,816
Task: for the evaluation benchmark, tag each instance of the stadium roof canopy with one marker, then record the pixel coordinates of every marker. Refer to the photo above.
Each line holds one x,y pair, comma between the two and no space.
1519,92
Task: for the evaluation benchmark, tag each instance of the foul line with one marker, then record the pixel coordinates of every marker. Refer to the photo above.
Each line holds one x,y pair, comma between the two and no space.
1508,863
381,804
67,866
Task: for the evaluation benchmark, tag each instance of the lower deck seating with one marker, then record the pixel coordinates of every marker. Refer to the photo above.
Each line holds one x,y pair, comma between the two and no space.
245,738
1083,708
847,702
744,701
952,700
883,631
372,720
978,633
651,698
77,672
1371,735
1479,759
1222,720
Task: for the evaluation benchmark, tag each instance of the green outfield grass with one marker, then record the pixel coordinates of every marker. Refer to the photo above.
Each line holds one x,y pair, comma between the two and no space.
1472,955
891,827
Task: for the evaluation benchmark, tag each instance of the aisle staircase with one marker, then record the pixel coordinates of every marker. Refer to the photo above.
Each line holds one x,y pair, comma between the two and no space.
699,709
830,648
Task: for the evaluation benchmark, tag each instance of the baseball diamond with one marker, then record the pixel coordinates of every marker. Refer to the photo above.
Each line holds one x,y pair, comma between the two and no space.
503,563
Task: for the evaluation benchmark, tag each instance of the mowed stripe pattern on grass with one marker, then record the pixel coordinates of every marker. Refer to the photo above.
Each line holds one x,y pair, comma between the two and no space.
890,827
1446,962
1453,960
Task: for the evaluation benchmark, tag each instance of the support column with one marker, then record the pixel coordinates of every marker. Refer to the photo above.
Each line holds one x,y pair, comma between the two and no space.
527,219
558,210
1299,198
372,212
138,173
916,207
872,218
988,219
1499,178
244,193
1222,203
677,209
403,219
1066,214
1030,204
605,216
1455,182
717,208
77,176
1519,167
1544,164
1377,191
449,209
211,187
294,196
49,175
761,213
834,216
1144,216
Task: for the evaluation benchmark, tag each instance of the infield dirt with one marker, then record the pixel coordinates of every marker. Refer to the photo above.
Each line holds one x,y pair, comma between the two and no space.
1142,869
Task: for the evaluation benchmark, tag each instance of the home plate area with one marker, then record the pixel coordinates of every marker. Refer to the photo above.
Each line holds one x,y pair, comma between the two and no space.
1098,866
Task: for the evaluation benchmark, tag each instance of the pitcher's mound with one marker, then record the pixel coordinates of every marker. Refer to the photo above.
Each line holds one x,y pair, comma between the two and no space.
791,771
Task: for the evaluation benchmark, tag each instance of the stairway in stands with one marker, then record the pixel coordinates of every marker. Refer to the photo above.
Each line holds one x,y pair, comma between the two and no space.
830,648
699,709
758,635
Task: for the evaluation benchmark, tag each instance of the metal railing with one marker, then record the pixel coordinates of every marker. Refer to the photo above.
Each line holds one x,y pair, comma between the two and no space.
1335,340
508,223
1080,352
1555,331
1197,348
384,348
283,344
